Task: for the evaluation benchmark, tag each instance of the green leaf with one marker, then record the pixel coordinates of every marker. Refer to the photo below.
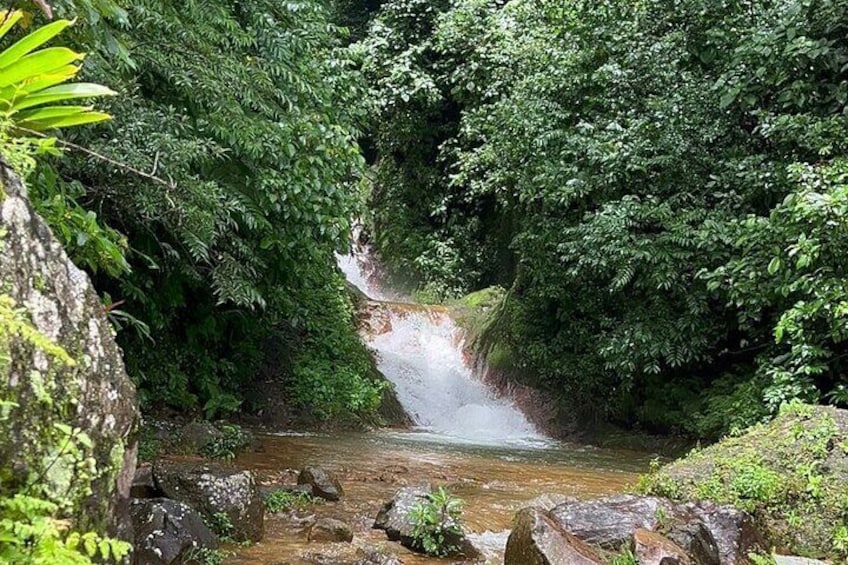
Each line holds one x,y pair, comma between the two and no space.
40,62
9,20
63,93
32,41
67,121
774,266
49,112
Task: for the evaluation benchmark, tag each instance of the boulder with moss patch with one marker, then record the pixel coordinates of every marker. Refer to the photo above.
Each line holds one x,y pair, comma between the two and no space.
790,474
68,412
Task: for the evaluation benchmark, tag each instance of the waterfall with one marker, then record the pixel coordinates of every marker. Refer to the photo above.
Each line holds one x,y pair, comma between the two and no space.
419,349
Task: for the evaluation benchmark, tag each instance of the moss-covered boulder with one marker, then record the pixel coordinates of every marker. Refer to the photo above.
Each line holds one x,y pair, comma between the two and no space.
790,474
67,408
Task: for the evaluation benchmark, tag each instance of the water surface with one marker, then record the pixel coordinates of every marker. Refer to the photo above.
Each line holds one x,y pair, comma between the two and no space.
495,481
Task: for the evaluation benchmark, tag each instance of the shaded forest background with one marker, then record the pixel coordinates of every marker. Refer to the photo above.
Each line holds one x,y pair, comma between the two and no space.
658,188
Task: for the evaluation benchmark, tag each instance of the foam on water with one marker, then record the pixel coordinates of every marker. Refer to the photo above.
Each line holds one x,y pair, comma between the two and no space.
421,354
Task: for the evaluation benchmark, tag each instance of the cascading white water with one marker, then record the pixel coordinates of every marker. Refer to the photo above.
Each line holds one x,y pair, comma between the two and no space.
420,351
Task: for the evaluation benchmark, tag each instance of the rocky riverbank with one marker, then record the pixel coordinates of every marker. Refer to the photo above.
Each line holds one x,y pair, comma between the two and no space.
356,506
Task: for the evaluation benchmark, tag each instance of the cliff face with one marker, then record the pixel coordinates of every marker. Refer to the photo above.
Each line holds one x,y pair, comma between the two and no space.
68,414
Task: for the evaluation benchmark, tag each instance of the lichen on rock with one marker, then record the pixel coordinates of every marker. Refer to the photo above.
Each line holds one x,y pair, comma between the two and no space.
71,409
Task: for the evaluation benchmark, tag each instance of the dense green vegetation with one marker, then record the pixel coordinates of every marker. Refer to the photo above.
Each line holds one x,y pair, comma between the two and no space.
660,187
789,475
209,208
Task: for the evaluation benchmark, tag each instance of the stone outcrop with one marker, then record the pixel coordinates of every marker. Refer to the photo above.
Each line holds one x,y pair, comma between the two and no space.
610,522
87,389
798,461
168,532
657,531
536,539
215,491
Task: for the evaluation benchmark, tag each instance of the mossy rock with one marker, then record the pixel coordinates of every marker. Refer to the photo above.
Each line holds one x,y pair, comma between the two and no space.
790,474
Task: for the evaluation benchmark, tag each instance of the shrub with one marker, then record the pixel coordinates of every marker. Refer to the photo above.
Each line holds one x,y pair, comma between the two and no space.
437,523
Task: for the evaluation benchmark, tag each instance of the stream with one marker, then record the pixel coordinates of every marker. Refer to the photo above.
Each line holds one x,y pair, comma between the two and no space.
465,437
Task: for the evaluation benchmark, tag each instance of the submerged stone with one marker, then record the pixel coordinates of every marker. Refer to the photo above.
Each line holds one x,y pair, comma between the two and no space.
330,530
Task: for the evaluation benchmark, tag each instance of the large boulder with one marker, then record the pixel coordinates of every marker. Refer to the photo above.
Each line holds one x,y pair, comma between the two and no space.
168,532
536,539
790,474
84,385
610,522
227,498
709,533
698,541
323,483
733,532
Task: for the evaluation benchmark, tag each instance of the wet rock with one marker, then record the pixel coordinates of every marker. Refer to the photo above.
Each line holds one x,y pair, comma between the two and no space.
695,538
323,483
651,548
341,554
549,501
788,560
214,491
196,436
268,490
734,531
394,519
710,533
94,395
610,522
167,532
536,539
394,515
372,556
330,530
143,485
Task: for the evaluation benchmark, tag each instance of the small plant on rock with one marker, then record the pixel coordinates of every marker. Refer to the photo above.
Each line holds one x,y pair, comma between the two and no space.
624,558
284,500
221,524
437,523
206,556
232,440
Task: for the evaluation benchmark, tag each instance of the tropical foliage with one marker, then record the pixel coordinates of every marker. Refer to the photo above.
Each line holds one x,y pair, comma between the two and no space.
660,185
437,523
209,209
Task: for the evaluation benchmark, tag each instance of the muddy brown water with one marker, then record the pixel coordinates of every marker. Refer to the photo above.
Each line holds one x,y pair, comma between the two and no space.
494,481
